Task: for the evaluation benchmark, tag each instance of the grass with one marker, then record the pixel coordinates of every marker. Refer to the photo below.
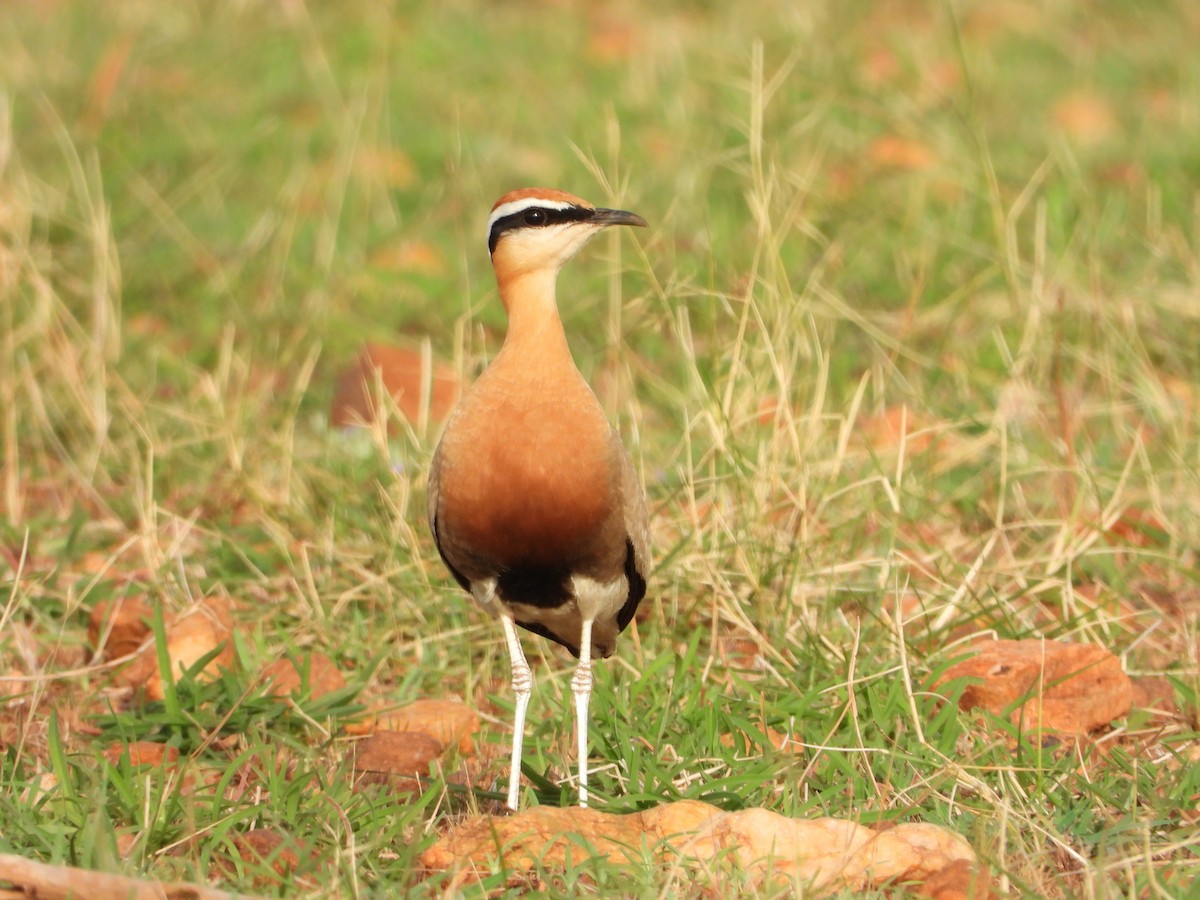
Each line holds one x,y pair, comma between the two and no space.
978,219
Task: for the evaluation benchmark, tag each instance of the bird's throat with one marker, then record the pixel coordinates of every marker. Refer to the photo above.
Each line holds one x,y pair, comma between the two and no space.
534,326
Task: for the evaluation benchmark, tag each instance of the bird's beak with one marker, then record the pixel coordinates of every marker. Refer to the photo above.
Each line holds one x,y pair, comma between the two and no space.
606,217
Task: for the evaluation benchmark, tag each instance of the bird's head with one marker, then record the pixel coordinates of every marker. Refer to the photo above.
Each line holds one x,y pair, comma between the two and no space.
541,228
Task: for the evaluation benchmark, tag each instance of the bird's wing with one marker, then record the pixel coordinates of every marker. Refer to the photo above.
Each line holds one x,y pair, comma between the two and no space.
637,536
433,489
431,511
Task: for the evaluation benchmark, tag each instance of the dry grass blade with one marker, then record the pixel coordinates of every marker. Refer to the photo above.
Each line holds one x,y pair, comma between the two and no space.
907,359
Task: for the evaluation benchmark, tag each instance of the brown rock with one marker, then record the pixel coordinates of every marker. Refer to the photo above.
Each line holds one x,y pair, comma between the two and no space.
398,758
1045,685
118,627
284,678
405,376
823,852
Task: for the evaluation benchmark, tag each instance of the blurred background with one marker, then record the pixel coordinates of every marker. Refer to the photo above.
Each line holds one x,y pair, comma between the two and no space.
910,351
315,172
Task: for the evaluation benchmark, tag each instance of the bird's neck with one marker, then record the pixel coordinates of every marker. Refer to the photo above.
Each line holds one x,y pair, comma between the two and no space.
533,322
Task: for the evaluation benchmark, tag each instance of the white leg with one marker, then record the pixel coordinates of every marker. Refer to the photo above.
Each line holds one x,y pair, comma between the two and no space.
522,684
581,686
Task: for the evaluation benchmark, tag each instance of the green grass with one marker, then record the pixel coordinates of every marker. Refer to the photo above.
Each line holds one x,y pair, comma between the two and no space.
205,209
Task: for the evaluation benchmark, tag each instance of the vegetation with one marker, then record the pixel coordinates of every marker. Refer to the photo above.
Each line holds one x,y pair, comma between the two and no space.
909,354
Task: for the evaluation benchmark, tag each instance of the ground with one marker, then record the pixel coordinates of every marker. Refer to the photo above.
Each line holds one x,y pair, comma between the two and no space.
907,358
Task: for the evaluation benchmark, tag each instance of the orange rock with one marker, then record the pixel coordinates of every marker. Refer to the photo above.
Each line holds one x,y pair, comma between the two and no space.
821,852
1045,685
403,374
118,627
284,678
198,631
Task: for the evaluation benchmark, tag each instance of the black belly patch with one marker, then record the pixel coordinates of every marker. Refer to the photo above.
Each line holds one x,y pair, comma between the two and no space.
549,587
546,587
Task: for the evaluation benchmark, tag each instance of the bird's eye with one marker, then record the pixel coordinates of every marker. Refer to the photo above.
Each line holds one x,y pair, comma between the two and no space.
535,217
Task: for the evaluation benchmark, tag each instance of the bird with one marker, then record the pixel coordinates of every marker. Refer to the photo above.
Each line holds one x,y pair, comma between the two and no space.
534,502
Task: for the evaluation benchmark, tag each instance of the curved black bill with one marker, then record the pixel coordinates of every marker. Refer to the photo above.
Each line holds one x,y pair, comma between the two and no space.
616,217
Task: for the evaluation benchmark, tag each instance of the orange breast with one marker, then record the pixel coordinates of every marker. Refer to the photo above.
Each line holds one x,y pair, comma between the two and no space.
528,474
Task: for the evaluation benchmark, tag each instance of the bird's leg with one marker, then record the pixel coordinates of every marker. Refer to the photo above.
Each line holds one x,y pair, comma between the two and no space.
581,686
522,684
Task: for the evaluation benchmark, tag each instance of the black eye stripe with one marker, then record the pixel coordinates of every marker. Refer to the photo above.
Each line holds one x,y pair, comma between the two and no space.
516,220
